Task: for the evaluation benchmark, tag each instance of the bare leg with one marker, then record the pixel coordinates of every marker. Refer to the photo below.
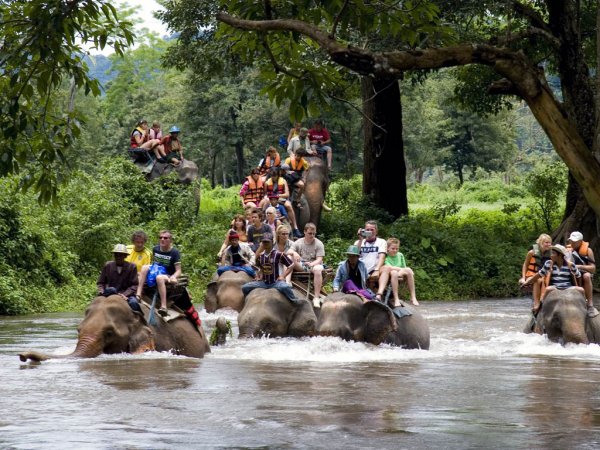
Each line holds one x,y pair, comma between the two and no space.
299,190
587,286
410,281
161,284
142,279
329,158
537,293
384,276
394,282
318,279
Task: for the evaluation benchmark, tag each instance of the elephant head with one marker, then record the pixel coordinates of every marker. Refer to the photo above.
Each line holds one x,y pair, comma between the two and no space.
109,326
563,318
346,316
225,291
187,171
316,183
267,312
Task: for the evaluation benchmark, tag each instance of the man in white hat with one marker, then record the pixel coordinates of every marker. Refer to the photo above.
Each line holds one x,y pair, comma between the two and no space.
583,257
119,277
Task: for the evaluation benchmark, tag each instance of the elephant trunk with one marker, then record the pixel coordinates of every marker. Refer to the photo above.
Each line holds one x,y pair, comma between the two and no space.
575,336
87,347
246,332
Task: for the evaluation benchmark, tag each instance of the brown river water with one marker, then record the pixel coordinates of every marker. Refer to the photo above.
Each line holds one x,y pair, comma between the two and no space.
484,384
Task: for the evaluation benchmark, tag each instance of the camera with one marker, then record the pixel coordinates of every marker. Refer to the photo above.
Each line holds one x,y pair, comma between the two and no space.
366,233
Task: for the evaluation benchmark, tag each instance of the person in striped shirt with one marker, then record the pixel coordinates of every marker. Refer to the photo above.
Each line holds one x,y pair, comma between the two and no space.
268,276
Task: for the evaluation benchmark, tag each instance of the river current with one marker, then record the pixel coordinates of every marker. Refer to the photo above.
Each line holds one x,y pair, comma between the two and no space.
483,384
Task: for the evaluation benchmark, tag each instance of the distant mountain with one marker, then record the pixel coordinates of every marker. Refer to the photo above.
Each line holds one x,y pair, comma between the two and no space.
99,66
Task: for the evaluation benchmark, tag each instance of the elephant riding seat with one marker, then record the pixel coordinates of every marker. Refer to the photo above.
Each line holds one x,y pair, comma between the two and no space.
348,317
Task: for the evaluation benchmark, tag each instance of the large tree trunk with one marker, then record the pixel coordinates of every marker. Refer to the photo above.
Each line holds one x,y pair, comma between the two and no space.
384,172
579,103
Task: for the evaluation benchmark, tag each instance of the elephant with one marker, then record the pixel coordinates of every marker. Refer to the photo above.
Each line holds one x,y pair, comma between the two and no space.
346,316
110,326
267,312
316,183
187,171
225,291
563,318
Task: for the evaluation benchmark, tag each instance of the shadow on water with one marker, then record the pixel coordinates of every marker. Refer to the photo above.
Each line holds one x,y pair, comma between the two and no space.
130,373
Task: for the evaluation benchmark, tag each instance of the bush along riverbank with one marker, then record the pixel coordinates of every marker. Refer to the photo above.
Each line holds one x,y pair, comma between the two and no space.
53,254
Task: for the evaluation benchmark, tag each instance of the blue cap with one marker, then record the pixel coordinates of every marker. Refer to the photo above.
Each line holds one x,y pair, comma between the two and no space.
174,129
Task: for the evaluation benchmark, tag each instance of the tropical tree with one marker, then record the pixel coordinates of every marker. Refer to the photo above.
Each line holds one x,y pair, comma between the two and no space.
297,72
561,32
43,43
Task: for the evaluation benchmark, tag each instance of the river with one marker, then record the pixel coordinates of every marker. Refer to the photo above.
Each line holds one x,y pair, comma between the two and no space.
483,384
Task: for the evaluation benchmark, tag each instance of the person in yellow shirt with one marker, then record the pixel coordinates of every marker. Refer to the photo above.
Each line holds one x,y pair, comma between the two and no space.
138,253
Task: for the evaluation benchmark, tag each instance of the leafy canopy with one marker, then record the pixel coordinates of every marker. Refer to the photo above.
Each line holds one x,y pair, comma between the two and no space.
292,67
42,49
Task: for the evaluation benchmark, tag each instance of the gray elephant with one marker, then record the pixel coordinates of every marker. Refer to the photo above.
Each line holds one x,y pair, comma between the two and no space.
346,316
110,326
267,312
187,171
563,318
225,291
316,183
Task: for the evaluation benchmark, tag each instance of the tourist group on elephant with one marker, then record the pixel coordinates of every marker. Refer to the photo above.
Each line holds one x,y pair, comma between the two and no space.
560,280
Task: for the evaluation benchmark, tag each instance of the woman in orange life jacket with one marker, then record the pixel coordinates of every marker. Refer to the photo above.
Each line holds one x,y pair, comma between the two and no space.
272,160
277,184
559,272
140,138
253,190
539,253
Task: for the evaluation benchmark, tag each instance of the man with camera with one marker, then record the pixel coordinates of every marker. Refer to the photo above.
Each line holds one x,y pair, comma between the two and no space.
372,248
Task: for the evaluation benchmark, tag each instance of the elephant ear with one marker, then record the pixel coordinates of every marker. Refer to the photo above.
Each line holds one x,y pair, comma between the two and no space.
593,329
210,300
304,320
141,336
379,322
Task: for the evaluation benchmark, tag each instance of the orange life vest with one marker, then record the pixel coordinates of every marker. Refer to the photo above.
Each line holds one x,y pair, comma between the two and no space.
535,262
280,186
297,165
255,192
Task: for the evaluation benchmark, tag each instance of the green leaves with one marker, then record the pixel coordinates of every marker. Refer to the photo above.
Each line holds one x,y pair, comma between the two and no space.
41,46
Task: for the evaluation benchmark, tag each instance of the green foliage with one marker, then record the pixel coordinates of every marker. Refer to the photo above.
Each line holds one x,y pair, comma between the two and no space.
42,47
546,184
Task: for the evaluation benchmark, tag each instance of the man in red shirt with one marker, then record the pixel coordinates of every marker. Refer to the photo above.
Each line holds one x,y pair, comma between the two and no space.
320,140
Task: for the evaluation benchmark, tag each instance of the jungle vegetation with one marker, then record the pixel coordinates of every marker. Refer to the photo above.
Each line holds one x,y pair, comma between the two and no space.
466,179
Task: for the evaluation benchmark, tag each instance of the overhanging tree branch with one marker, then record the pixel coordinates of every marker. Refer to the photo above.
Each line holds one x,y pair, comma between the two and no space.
528,81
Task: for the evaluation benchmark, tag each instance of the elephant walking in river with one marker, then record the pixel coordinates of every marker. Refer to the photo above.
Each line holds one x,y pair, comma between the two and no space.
267,312
110,326
225,291
346,316
563,318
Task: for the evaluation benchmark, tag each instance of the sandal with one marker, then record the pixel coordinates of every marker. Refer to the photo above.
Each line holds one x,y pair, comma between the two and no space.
378,297
163,312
